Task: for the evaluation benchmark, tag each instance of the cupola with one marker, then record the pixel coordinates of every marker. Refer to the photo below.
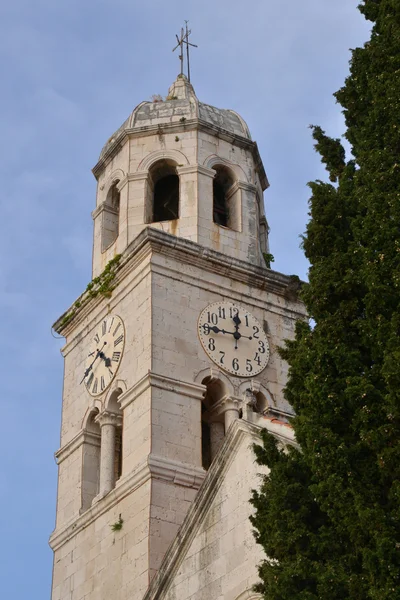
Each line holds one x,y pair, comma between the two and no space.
187,168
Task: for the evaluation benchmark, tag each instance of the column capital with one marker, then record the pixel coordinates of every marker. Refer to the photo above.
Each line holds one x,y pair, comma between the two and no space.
109,418
199,169
224,404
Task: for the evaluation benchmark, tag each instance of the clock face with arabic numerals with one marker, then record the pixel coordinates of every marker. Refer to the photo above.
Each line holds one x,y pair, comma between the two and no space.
104,355
233,339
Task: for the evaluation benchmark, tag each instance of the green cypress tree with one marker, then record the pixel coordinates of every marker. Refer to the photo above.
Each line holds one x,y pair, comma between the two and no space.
328,514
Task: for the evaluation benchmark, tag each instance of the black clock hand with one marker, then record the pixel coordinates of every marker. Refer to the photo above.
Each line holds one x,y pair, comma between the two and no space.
236,334
218,330
104,357
90,367
88,370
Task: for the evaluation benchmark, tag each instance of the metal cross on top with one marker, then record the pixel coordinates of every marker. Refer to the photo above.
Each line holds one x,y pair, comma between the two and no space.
184,39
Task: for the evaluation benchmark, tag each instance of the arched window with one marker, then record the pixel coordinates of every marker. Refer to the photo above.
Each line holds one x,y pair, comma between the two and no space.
111,216
226,199
205,440
118,453
163,193
90,461
260,404
212,421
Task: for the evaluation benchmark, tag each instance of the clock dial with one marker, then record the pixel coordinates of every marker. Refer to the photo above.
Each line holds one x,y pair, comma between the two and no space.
233,339
105,354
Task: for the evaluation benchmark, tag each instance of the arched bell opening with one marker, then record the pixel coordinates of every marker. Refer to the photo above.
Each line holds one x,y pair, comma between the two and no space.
114,196
260,404
226,198
205,439
212,420
90,460
110,228
163,192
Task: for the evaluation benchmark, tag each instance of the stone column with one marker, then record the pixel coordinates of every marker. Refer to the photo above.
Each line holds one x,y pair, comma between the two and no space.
231,413
108,422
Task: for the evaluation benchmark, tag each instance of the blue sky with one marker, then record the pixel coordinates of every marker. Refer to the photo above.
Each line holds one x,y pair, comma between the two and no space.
71,72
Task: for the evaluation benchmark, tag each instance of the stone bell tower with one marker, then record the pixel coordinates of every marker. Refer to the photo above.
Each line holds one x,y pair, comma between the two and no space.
202,147
156,427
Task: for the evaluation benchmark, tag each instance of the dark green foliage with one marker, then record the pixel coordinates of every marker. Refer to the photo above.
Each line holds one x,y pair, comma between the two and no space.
328,515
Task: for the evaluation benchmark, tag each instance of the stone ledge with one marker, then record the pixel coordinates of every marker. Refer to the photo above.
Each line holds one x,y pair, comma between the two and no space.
177,472
176,127
83,437
154,241
184,388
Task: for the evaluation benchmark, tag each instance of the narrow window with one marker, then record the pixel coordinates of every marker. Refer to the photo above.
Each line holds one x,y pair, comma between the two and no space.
164,193
220,205
225,203
212,423
118,453
166,198
205,441
111,216
90,462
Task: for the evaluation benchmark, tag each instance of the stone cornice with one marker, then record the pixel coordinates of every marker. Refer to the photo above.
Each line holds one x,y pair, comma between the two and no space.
176,472
138,176
88,309
83,437
187,169
184,388
208,259
188,125
153,241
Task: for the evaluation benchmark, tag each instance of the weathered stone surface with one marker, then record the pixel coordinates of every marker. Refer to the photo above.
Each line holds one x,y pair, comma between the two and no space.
184,526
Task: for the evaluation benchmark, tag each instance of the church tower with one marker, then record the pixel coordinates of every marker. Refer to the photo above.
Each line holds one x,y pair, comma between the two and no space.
171,363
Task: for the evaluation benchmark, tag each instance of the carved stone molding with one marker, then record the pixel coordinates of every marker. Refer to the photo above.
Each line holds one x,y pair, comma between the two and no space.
108,417
152,241
200,169
175,471
83,437
184,388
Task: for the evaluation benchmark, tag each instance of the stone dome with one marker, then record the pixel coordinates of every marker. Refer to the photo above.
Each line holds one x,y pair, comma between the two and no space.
180,106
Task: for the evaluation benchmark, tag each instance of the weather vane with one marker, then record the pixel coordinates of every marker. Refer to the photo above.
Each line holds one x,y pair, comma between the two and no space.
184,39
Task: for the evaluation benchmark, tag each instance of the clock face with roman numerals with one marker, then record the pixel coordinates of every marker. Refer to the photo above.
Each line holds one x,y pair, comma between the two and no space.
104,355
233,339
